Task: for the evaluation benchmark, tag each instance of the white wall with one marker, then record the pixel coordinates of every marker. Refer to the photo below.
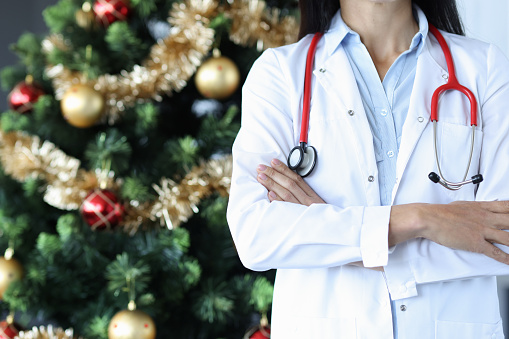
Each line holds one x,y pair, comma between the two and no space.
487,20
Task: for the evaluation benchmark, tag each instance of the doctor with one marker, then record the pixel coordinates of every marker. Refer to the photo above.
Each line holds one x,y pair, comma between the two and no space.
367,246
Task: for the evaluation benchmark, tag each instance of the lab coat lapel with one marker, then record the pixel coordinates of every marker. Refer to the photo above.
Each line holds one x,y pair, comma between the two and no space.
337,78
429,76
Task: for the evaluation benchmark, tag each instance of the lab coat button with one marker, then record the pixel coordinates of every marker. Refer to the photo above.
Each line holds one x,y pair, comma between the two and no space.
371,178
402,308
322,70
351,112
445,76
420,119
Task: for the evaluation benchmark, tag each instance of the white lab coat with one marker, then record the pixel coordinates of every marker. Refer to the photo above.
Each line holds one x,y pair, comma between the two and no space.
439,292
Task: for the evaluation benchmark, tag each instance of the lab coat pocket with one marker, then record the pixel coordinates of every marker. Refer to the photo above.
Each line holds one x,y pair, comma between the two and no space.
323,328
454,154
461,330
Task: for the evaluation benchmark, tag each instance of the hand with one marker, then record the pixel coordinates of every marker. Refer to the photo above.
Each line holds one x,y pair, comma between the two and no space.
284,184
464,225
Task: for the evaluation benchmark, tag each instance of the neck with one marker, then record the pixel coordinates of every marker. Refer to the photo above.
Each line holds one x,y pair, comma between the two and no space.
386,27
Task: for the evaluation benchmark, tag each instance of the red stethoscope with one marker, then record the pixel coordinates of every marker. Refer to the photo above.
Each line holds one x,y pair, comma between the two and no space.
302,158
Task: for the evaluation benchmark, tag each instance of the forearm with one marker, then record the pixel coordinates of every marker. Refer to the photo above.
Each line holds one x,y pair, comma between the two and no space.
468,226
442,242
287,235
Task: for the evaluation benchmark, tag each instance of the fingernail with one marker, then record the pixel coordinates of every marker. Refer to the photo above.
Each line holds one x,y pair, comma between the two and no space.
262,176
262,167
272,195
276,162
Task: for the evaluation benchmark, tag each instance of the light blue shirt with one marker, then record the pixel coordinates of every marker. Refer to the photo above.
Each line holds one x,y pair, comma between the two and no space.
385,102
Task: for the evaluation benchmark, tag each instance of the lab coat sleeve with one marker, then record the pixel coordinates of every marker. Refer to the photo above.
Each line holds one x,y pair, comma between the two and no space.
424,261
281,234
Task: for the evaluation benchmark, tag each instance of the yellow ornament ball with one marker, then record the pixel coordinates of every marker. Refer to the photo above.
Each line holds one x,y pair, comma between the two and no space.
10,270
82,106
133,324
217,78
85,17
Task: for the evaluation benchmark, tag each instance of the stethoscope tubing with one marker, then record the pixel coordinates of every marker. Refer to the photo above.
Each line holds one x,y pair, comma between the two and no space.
452,82
453,186
307,88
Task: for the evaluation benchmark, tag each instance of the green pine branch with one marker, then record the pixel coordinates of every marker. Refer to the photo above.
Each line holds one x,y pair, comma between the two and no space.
109,150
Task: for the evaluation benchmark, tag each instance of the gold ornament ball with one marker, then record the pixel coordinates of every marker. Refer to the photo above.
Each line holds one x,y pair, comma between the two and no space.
217,78
10,270
128,324
82,106
85,17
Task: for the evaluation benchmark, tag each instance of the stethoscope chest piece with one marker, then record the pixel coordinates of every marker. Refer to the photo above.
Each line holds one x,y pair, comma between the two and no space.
302,159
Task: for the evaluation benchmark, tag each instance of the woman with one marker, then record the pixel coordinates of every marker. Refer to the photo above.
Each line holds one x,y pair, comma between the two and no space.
366,246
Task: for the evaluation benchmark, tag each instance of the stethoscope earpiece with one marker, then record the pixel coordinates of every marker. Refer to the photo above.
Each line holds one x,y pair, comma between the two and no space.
477,179
434,177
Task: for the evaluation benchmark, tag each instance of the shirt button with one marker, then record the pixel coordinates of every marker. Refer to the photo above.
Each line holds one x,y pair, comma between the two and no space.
390,154
445,76
322,70
351,112
371,178
383,112
402,308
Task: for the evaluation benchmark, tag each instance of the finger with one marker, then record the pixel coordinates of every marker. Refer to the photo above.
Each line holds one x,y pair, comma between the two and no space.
494,214
499,221
273,196
275,187
283,169
285,182
497,236
495,206
494,252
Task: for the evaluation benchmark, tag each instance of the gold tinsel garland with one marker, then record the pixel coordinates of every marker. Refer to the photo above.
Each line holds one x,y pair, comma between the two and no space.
47,333
170,64
173,60
23,157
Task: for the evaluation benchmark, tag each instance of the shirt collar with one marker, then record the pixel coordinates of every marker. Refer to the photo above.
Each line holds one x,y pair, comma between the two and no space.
339,30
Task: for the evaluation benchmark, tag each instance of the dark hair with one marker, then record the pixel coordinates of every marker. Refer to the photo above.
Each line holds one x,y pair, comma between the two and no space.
316,15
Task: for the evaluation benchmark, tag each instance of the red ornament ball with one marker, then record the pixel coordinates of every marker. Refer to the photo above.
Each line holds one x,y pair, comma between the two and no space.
101,209
9,330
109,11
23,96
261,333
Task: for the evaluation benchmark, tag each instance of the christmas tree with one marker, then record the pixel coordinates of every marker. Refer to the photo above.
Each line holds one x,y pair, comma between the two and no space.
115,168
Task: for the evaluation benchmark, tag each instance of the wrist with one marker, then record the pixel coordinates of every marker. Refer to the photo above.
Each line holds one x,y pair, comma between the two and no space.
420,228
407,222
